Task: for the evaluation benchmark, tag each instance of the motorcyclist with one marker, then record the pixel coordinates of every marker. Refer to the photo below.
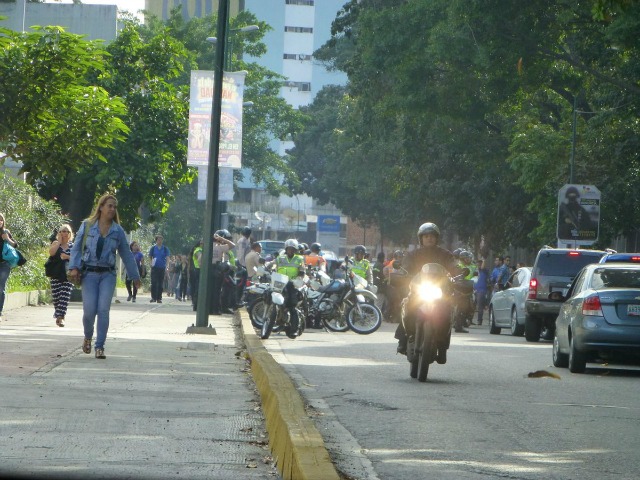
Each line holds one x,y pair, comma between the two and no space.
465,303
428,251
314,259
361,266
219,258
228,298
291,264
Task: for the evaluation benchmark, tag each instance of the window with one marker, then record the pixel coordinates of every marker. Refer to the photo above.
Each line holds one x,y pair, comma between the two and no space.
300,2
301,86
298,29
297,56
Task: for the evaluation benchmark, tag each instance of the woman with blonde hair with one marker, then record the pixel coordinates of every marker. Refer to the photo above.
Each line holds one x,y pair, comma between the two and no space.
93,262
61,287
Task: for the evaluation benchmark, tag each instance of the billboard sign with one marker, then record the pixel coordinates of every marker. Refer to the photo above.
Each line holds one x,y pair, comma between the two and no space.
578,214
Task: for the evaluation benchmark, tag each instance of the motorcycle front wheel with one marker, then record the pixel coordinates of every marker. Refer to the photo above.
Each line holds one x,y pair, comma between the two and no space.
364,318
427,353
257,312
269,322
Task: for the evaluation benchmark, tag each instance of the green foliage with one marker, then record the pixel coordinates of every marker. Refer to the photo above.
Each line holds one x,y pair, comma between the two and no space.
31,221
465,119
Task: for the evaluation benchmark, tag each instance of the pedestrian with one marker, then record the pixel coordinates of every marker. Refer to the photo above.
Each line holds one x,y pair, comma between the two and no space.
243,247
61,288
495,273
158,254
5,268
195,259
93,263
132,290
505,273
481,288
181,289
253,259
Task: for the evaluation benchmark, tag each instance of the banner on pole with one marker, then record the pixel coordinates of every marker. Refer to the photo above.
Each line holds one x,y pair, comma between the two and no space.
200,101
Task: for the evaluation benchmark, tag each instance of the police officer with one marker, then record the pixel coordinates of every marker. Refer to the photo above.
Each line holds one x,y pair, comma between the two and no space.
291,264
194,273
465,303
361,266
428,251
314,259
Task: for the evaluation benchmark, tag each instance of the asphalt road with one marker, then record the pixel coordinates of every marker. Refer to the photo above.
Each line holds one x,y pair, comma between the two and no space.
479,416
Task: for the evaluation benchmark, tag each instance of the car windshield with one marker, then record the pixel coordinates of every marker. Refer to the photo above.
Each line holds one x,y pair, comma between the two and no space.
564,265
615,278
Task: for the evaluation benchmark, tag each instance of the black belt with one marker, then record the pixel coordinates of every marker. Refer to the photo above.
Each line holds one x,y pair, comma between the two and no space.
99,269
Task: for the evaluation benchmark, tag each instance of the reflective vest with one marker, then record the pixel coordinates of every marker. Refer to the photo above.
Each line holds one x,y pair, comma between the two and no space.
361,268
196,263
289,266
314,260
472,270
232,258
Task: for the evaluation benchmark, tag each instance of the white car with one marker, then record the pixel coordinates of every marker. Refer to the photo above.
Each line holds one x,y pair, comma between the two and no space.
506,309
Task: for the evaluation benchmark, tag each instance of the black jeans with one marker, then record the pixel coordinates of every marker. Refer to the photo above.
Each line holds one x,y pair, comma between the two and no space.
195,285
157,281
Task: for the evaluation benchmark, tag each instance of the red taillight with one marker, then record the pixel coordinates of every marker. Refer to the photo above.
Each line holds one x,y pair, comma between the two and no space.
635,259
592,306
574,254
533,288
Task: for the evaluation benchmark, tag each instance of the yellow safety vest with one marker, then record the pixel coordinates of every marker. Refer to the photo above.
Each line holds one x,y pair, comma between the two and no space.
289,266
196,263
361,268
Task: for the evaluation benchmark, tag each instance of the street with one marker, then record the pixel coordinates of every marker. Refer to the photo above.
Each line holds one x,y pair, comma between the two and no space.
478,416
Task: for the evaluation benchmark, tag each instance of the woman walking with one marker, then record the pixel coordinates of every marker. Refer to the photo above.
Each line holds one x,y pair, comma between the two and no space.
5,268
61,288
93,262
139,258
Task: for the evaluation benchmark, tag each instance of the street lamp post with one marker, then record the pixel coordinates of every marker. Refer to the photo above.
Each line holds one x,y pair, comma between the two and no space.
204,302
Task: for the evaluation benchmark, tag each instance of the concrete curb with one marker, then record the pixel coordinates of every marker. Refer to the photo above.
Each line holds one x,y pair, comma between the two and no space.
296,444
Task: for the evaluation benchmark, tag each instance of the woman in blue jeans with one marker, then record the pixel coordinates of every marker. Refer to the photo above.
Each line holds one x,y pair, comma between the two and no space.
93,262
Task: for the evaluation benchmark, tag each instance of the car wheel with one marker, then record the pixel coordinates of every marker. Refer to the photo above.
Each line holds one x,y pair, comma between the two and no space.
560,360
532,328
517,330
493,330
577,360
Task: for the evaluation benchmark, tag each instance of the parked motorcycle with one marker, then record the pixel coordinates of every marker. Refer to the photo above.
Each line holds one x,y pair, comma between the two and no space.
281,301
343,303
430,300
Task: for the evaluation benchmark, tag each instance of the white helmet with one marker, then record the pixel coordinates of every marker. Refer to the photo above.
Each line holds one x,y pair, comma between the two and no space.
292,242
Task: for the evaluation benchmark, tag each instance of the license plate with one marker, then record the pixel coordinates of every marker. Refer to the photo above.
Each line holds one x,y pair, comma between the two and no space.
633,310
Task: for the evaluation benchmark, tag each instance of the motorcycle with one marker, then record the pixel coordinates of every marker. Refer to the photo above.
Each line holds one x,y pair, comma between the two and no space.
282,312
430,301
343,303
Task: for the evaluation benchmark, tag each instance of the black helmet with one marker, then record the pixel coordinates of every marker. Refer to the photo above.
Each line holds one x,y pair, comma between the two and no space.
456,253
427,228
246,231
360,249
398,254
316,247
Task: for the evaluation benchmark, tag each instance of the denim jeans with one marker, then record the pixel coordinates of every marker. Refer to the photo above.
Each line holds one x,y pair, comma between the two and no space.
5,269
97,292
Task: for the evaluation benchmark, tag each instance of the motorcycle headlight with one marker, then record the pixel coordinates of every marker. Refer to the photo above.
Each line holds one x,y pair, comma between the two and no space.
429,292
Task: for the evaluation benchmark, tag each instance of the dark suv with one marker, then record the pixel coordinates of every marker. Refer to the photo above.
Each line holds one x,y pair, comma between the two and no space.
553,271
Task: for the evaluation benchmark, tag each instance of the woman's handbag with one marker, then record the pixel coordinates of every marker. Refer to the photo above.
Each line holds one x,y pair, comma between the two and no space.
10,255
55,268
142,270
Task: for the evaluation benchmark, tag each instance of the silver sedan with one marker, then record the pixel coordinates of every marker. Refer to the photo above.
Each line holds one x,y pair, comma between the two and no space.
600,318
506,309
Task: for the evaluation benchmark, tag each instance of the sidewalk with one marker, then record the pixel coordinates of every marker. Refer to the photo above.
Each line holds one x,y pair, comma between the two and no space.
163,404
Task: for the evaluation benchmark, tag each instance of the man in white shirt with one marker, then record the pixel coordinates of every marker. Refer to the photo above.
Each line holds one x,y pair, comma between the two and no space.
253,259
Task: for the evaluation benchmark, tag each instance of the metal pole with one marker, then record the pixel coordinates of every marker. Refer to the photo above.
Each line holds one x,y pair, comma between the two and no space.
213,178
573,141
